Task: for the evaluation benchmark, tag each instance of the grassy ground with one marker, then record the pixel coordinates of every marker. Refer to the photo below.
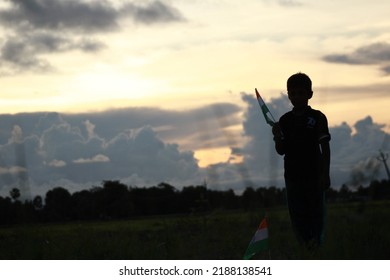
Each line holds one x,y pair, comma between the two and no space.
354,231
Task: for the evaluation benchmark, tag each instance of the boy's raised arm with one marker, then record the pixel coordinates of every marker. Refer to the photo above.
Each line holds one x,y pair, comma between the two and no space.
278,138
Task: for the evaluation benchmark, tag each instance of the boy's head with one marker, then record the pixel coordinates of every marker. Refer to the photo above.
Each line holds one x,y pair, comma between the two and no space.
299,80
299,89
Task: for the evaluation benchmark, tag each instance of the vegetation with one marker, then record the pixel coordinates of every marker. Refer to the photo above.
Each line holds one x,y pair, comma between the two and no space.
357,230
120,222
114,200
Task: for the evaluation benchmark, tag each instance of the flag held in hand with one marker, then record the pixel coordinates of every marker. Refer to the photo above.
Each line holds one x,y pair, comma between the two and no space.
266,112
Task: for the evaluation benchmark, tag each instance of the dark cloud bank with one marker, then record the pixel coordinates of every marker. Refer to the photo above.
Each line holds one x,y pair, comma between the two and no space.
36,28
372,54
146,146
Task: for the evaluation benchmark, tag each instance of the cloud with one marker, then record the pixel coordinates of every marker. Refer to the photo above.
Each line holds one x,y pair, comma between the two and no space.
23,53
12,170
97,158
199,128
365,171
55,14
285,3
90,127
16,134
146,146
17,55
386,69
84,149
36,28
153,12
353,148
83,16
377,54
57,163
290,3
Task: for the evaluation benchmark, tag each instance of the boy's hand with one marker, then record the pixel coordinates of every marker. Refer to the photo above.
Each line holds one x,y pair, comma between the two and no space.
276,131
278,138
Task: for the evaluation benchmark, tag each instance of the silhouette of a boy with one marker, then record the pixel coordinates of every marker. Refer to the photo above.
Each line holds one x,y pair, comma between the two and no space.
302,136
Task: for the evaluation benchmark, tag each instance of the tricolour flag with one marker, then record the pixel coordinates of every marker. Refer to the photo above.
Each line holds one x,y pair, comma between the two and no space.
259,241
267,114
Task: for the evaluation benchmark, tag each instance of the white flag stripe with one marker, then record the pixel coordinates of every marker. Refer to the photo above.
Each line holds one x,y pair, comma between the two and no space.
260,234
261,102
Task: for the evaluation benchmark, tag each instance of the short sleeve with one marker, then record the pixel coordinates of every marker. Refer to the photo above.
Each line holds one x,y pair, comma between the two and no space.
322,129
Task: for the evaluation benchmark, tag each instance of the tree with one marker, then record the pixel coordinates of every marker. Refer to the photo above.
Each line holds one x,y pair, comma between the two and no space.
344,192
38,202
115,200
249,199
84,204
6,216
57,204
15,193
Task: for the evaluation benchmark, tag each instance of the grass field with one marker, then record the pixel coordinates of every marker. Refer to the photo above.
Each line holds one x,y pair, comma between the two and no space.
353,231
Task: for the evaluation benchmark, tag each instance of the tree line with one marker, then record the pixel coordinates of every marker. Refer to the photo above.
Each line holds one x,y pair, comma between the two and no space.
115,200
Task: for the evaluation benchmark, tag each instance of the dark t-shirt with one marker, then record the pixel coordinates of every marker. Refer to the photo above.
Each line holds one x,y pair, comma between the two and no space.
302,134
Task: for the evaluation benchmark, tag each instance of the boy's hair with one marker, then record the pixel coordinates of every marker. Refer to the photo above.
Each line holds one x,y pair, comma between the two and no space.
299,80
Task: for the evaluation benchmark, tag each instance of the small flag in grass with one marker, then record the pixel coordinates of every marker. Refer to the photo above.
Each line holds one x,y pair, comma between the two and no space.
259,241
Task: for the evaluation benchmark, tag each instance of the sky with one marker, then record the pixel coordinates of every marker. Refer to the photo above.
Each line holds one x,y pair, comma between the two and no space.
149,91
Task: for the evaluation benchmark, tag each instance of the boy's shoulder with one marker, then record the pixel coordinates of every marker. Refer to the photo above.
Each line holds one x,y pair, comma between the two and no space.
315,111
317,114
309,112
